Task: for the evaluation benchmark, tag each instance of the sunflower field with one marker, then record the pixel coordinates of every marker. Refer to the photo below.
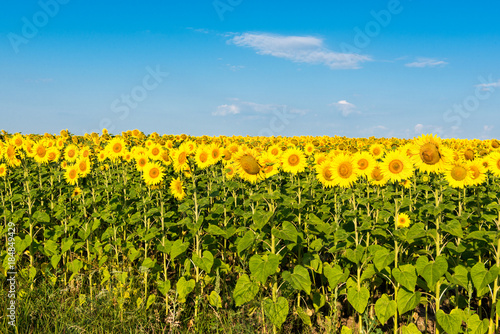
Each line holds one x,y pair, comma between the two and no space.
329,234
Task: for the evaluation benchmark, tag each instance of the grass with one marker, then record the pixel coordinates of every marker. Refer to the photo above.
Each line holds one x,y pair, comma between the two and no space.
57,309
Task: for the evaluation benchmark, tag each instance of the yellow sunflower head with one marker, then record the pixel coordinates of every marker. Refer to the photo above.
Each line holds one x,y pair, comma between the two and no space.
176,189
293,161
402,220
153,173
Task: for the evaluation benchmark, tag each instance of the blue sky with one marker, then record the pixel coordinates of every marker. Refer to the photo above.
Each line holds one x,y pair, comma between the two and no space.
240,67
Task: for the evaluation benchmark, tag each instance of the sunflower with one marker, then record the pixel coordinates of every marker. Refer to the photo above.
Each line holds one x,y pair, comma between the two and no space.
230,171
247,164
377,151
202,157
180,158
320,157
83,167
153,173
41,155
116,148
176,189
275,150
215,153
309,149
141,161
54,154
429,154
324,174
365,162
494,163
10,152
3,170
71,153
294,161
468,154
402,220
17,140
396,166
269,164
154,151
85,152
71,175
478,172
377,177
226,155
345,170
458,174
77,191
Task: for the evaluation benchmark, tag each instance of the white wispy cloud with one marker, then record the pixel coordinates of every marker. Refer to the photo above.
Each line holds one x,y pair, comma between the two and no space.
254,109
346,108
226,109
426,62
299,49
421,129
489,85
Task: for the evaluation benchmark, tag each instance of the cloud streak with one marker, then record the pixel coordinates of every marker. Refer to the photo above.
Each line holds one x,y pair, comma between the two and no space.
426,62
299,49
346,108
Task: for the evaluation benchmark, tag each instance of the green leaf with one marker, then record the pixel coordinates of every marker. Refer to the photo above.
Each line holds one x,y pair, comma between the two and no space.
184,288
261,218
54,260
416,231
151,300
148,263
385,308
41,217
319,300
276,311
406,276
303,316
50,247
163,287
245,290
335,275
262,267
178,247
410,329
453,227
206,262
407,300
21,244
461,277
215,300
66,245
482,277
450,323
476,326
383,258
75,265
300,279
432,271
358,298
356,255
133,254
245,242
288,232
345,330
